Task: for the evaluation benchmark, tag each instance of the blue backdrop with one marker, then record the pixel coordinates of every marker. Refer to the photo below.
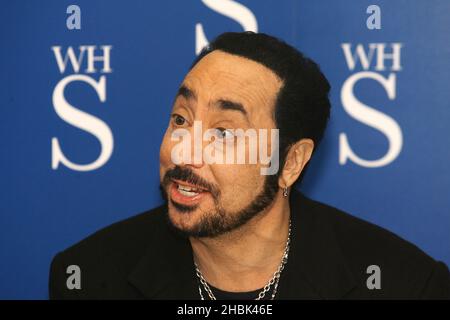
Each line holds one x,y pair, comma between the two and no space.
384,157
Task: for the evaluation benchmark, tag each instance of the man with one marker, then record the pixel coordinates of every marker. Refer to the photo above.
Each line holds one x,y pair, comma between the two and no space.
232,230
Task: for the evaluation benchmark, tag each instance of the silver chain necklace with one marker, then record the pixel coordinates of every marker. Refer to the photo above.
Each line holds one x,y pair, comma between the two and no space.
272,282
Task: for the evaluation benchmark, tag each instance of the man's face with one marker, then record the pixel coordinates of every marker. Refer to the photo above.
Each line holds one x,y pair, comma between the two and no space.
222,91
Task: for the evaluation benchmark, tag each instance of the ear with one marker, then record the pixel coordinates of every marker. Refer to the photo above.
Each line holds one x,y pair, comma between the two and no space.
296,159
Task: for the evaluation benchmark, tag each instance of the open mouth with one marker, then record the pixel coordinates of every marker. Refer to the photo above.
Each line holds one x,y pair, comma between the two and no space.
188,191
185,193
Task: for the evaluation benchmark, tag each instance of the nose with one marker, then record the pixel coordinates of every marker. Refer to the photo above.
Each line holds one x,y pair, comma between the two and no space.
197,142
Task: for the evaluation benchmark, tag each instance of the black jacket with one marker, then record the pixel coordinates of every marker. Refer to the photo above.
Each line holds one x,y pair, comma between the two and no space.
140,258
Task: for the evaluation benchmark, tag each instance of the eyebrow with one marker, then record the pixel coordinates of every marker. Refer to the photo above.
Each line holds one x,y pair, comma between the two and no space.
223,104
186,93
231,105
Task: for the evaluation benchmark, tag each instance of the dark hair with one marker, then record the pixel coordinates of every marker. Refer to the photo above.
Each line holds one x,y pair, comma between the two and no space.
302,106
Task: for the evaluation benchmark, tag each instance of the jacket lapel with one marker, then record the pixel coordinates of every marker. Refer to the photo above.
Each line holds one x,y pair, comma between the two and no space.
166,270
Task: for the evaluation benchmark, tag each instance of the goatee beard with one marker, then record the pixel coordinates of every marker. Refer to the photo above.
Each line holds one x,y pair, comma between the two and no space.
219,221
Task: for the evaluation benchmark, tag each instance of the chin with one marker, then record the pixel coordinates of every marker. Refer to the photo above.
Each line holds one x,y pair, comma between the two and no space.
183,226
182,219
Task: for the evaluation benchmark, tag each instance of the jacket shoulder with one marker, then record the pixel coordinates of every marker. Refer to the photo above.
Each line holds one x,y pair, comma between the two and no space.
406,271
109,253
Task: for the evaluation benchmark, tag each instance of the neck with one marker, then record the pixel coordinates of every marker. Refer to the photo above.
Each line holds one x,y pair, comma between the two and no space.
246,258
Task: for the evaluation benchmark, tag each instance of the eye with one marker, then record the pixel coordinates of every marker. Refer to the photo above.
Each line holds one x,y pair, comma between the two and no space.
222,133
178,120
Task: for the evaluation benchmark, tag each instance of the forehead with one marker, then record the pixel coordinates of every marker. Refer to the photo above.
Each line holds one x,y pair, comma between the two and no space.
223,75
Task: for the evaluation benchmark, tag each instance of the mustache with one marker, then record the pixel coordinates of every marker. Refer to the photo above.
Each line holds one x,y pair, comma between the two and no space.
186,174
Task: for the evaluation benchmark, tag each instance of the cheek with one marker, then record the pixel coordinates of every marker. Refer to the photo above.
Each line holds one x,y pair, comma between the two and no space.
165,161
239,184
165,150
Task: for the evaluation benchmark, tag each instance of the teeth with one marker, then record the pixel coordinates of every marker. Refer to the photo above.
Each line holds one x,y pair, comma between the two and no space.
186,188
187,191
